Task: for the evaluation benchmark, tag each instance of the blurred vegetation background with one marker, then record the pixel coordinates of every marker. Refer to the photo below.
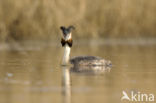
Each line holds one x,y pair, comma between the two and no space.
41,19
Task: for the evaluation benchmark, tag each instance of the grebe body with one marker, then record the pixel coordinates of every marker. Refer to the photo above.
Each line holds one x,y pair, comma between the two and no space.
67,42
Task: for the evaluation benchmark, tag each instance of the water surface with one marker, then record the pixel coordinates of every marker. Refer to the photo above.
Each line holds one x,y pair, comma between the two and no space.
33,74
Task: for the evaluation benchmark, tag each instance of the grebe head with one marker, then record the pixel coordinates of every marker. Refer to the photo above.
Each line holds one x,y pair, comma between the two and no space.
66,42
67,31
67,35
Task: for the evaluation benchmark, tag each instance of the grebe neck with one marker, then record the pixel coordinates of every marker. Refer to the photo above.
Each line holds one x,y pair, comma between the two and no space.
66,55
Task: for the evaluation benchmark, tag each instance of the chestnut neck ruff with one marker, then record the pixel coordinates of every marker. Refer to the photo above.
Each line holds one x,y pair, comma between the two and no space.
68,42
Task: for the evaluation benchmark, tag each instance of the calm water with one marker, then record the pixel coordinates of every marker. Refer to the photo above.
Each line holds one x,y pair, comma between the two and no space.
33,74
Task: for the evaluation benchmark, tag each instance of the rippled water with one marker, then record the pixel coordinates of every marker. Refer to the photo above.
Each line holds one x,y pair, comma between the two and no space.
33,74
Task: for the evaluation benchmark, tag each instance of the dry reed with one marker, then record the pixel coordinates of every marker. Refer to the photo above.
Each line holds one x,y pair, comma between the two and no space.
40,19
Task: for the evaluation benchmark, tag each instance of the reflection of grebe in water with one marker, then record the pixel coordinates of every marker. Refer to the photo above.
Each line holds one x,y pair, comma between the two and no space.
80,60
66,83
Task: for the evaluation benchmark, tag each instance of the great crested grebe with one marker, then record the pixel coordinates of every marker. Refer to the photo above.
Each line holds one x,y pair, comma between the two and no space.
67,41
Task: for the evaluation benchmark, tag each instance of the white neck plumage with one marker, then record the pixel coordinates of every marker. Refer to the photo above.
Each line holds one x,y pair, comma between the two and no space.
66,55
67,48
